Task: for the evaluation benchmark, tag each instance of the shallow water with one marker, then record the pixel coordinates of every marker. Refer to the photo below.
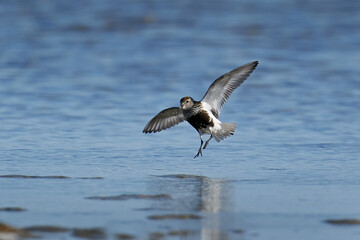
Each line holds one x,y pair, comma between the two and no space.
78,84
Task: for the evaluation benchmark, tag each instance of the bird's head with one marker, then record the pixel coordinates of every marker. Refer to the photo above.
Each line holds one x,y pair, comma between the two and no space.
186,103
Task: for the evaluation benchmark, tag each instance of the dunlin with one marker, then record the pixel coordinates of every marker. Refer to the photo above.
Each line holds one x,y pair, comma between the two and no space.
203,115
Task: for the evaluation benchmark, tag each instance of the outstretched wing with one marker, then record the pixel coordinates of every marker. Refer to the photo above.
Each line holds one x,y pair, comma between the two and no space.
165,119
221,89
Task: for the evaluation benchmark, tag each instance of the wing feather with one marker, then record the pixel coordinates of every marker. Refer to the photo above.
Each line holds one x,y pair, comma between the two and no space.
221,89
165,119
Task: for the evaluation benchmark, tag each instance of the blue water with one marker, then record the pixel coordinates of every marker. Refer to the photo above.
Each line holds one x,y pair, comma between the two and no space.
80,79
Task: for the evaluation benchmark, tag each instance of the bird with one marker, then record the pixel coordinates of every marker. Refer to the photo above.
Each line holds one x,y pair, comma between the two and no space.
203,115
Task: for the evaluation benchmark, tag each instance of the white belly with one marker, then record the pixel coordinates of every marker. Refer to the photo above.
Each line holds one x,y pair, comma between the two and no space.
217,124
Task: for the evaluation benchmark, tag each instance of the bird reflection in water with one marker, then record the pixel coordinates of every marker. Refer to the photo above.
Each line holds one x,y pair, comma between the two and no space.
203,196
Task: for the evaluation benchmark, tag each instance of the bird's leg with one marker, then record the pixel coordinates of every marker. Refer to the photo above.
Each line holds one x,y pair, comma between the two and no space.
207,142
200,152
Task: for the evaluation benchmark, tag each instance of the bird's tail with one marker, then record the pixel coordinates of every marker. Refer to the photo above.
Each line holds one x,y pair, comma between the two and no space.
226,130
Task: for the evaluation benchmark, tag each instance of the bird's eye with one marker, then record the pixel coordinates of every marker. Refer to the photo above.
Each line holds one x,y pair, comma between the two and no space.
187,101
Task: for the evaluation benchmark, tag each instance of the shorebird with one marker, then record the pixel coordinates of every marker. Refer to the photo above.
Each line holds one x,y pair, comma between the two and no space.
203,115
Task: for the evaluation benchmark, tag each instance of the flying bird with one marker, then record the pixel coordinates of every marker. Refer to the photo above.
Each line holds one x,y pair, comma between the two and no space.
203,115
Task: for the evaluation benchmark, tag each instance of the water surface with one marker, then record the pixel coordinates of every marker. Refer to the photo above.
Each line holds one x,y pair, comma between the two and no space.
80,80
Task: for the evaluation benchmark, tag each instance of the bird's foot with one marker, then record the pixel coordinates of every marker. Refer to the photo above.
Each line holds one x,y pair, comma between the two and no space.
199,153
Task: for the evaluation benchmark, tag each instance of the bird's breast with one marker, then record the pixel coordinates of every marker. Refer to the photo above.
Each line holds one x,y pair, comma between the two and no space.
201,121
